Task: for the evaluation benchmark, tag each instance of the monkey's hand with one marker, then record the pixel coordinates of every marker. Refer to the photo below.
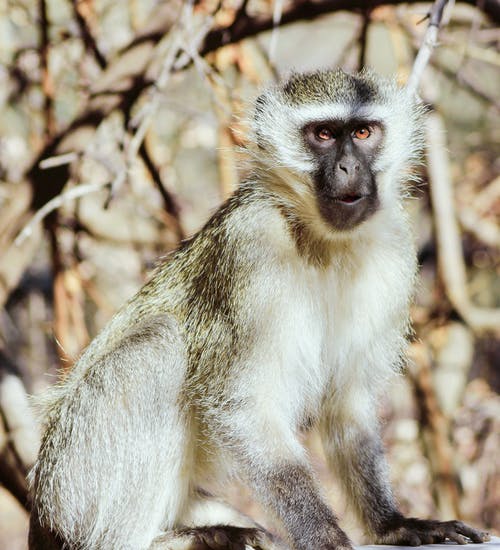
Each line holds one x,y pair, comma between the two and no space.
414,532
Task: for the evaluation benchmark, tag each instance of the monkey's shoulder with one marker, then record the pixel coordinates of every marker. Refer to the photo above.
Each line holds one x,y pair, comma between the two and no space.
245,233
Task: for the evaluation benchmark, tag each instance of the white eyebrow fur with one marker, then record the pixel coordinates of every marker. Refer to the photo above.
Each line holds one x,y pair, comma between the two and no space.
310,113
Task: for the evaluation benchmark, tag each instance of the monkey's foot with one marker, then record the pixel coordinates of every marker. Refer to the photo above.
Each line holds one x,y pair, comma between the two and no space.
228,537
414,532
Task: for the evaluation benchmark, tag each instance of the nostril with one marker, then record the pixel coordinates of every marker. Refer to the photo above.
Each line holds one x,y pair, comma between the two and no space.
356,167
343,168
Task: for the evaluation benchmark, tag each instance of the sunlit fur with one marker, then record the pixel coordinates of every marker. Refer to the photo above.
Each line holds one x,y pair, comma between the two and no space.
267,320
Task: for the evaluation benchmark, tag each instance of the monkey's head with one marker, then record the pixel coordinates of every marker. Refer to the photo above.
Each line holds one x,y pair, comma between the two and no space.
341,141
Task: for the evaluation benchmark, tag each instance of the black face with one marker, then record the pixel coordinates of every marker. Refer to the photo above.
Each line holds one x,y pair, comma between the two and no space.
345,183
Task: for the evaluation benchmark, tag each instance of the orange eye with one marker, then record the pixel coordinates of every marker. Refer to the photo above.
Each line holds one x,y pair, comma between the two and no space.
362,133
324,134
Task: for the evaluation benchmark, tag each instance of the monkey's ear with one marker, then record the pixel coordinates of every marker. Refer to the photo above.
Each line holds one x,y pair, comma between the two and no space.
260,106
260,113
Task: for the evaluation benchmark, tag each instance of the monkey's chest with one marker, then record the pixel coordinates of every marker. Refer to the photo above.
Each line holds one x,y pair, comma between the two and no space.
342,328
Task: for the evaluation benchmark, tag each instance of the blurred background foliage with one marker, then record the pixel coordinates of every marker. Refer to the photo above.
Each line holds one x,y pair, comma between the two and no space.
124,122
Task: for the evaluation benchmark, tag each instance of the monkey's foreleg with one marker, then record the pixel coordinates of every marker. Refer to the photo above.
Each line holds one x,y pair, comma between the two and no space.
290,492
281,479
356,453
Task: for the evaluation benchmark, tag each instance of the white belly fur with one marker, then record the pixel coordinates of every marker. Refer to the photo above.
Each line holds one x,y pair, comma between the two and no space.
332,329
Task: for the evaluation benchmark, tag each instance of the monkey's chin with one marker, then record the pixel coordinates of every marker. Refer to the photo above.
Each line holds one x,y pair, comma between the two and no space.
346,213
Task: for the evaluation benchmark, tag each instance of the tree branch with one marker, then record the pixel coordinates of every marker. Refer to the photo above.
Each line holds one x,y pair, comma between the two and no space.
429,43
47,84
123,82
450,255
170,205
87,36
308,10
362,40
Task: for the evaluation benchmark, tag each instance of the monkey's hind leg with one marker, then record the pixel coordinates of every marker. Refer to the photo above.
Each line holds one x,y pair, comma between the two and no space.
211,524
113,469
216,537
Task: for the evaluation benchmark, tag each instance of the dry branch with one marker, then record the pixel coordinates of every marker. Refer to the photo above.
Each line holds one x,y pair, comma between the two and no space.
56,202
427,47
180,40
123,82
450,254
435,433
245,26
457,75
86,33
47,83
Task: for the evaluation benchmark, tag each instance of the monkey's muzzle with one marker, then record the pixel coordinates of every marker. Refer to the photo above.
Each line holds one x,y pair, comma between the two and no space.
346,211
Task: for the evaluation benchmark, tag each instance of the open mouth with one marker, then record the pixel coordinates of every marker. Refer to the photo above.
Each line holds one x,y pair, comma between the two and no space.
345,210
349,199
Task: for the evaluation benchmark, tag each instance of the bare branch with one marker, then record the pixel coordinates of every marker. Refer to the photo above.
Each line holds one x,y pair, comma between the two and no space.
58,160
307,10
277,13
86,34
428,45
455,75
435,431
450,255
152,105
170,205
363,36
57,202
47,84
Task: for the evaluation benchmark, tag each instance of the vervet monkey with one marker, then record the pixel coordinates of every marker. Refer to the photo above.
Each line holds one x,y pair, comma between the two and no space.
288,309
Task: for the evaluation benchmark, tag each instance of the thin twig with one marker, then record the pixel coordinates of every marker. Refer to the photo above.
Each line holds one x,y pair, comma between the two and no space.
363,36
471,85
57,202
87,36
58,160
47,84
171,207
428,45
152,106
277,14
170,62
454,75
469,51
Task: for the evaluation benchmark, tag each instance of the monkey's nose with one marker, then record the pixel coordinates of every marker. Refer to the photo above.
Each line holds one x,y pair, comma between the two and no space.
349,166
